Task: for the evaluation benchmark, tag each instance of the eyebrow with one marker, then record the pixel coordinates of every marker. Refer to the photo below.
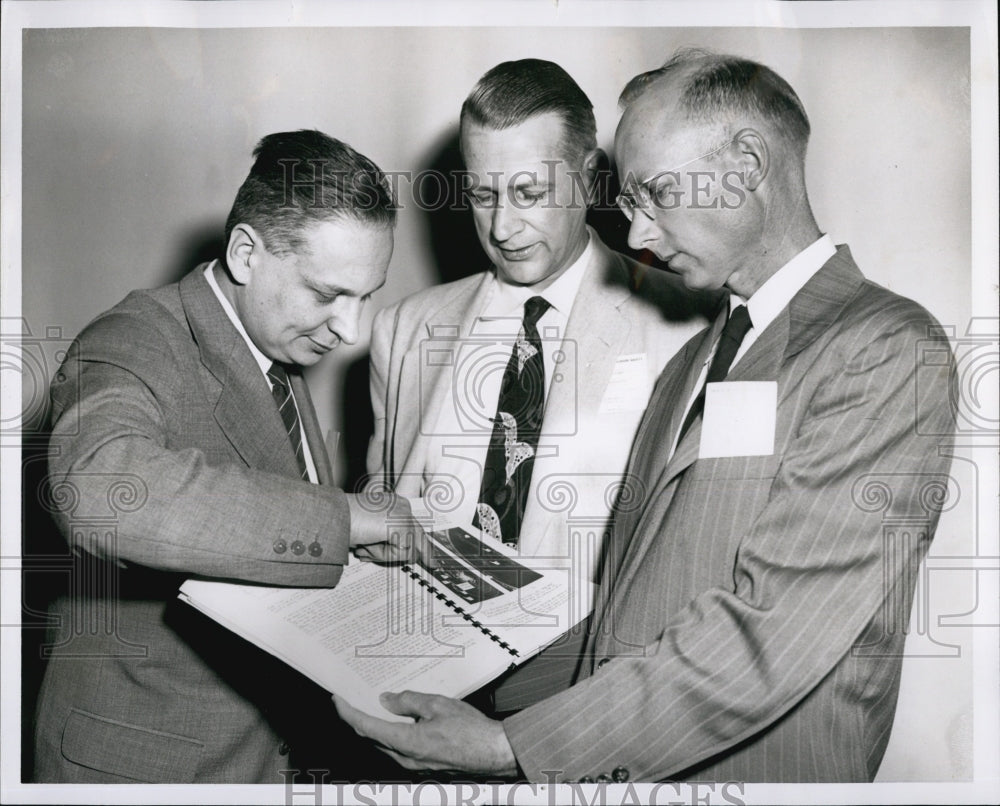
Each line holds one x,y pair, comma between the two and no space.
329,290
336,290
528,181
657,179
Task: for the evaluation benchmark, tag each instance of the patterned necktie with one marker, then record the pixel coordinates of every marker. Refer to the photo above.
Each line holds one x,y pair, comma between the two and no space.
511,453
281,391
729,344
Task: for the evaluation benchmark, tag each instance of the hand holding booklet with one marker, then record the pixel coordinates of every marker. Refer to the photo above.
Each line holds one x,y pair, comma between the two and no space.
448,629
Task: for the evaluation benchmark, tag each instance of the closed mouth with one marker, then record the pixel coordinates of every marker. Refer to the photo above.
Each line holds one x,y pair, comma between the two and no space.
522,253
324,347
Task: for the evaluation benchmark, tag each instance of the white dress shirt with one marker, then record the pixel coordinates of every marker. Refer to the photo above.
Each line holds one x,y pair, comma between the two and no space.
461,435
767,302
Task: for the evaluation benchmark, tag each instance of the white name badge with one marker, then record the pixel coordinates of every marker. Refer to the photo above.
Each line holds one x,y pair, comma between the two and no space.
739,419
629,386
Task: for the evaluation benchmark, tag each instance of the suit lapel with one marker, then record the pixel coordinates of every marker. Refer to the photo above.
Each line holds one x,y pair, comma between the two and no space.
597,328
679,387
663,418
310,424
244,408
453,322
596,334
809,314
820,302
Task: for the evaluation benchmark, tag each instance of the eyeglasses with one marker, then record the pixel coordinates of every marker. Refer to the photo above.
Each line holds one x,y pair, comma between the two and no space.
643,195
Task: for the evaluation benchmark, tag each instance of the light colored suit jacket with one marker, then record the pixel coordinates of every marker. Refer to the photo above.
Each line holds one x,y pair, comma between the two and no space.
169,459
622,309
753,607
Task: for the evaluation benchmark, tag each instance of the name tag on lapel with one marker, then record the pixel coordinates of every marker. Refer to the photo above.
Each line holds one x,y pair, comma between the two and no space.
629,386
739,419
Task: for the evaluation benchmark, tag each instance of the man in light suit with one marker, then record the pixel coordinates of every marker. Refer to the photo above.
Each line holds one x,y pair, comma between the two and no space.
749,627
185,444
528,137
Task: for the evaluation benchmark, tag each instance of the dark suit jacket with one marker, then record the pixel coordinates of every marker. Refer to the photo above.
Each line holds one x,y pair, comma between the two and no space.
169,459
752,606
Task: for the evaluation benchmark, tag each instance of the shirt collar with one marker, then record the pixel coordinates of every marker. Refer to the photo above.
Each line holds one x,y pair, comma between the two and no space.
777,291
262,360
508,300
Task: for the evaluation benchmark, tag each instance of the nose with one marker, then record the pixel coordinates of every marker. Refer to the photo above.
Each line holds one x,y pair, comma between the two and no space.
506,220
345,318
642,232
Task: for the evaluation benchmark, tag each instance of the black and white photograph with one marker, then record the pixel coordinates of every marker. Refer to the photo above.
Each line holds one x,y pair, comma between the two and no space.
689,306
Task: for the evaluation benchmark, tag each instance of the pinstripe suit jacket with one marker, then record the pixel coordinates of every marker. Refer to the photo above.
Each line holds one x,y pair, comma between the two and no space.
752,607
169,459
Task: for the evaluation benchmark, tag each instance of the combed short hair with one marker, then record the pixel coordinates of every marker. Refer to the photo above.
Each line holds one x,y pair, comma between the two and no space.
717,86
512,92
307,177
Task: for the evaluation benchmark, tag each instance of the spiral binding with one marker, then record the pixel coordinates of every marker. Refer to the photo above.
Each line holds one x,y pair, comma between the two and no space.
460,610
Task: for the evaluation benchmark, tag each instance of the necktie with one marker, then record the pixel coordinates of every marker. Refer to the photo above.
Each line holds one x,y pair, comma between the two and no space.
729,344
281,391
511,453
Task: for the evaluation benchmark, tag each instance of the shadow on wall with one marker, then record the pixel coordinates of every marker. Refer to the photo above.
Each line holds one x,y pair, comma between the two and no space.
198,245
451,233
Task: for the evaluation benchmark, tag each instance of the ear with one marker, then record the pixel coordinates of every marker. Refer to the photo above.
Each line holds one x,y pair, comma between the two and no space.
243,240
753,157
592,162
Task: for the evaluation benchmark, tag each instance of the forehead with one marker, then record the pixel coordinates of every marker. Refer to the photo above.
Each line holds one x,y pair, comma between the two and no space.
350,255
526,146
653,135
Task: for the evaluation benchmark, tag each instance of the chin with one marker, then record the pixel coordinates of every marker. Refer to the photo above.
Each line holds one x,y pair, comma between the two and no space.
311,358
304,358
699,281
523,273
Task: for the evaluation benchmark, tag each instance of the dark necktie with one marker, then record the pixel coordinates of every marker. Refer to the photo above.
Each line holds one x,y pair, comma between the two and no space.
729,344
281,391
511,453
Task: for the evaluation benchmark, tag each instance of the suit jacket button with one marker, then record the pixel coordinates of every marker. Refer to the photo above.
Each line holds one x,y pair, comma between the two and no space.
283,748
298,547
600,664
619,775
315,549
280,546
586,780
604,778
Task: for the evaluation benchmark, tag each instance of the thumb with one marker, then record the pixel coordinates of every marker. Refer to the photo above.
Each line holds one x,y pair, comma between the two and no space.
409,703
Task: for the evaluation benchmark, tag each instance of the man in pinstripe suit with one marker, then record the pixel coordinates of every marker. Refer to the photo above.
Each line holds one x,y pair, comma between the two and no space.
748,623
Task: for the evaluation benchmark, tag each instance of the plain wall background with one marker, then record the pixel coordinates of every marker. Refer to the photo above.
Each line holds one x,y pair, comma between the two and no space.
135,141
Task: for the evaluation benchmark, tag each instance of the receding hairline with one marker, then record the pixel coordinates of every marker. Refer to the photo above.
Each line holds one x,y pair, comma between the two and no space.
651,102
699,78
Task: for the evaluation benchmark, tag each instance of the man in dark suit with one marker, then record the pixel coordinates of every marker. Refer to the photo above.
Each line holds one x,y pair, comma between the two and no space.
747,627
184,429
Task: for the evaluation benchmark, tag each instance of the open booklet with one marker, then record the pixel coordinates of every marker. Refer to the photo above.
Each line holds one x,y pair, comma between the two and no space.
445,630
